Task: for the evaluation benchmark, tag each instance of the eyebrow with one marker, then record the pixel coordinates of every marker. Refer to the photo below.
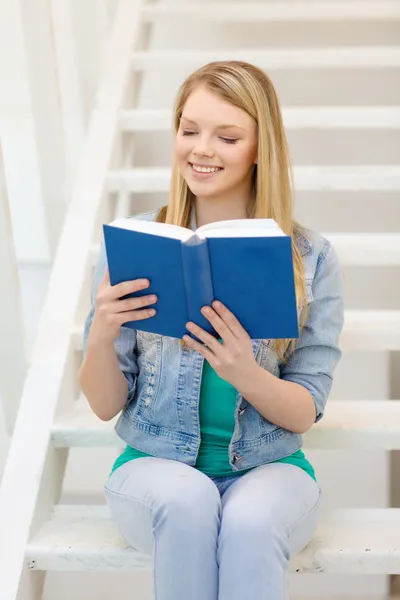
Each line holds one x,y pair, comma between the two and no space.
219,126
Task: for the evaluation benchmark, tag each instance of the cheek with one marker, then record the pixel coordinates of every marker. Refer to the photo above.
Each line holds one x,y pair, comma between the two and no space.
181,149
240,159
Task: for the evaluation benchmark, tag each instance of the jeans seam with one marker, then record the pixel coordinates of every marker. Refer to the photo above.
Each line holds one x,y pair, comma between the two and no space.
300,519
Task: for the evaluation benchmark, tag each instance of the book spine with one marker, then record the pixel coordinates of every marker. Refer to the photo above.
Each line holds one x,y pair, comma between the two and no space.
198,281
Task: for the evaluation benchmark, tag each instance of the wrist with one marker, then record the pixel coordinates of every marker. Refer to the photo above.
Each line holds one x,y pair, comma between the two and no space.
98,337
248,380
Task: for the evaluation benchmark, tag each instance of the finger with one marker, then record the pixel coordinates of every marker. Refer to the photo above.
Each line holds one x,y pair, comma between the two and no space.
133,303
204,336
136,315
127,287
203,350
106,276
229,318
218,323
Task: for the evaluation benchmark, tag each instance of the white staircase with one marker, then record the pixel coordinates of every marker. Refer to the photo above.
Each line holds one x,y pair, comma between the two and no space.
38,534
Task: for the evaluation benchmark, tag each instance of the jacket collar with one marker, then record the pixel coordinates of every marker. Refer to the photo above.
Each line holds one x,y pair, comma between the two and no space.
303,243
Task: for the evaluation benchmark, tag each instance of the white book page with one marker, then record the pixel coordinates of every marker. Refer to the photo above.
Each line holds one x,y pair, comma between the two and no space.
152,227
241,228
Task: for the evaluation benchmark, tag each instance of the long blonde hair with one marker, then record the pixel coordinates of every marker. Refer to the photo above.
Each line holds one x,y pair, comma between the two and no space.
249,88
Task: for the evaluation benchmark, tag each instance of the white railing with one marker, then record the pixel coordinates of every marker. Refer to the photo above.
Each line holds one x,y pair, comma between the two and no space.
51,384
47,167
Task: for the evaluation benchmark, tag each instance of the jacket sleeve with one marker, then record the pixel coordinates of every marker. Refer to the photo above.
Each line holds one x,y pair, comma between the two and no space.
125,344
317,352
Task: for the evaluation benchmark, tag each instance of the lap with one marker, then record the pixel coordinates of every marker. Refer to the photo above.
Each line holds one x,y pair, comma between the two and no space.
276,496
278,491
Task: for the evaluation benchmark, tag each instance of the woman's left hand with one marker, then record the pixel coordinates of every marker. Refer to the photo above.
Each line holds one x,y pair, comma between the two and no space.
233,359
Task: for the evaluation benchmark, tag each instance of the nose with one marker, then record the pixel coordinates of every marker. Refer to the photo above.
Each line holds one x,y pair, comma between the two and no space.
203,147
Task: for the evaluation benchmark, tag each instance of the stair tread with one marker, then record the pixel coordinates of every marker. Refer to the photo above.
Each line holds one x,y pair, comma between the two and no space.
277,11
346,541
346,424
306,178
345,57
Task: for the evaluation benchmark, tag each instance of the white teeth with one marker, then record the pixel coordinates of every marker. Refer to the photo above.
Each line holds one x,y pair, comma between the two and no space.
205,169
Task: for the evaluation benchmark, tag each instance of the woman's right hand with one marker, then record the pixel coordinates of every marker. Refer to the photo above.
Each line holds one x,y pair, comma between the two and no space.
111,312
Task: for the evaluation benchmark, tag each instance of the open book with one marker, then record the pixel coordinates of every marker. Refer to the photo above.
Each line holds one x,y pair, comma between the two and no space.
247,264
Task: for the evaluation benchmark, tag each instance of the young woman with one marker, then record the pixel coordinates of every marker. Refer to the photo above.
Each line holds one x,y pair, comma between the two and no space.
213,483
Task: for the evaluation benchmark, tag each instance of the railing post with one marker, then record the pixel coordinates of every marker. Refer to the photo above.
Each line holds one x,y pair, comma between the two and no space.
13,358
80,33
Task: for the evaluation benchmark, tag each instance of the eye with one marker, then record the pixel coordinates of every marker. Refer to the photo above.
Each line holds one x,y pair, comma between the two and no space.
230,140
185,132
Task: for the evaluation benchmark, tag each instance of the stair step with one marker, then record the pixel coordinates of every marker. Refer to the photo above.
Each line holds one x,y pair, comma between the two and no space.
308,117
366,249
371,330
316,178
344,57
276,11
356,541
353,249
363,330
347,424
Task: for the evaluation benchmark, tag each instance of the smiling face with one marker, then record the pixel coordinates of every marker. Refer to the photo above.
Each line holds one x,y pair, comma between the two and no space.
216,147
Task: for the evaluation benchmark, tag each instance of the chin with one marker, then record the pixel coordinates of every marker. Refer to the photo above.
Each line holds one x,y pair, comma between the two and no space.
204,192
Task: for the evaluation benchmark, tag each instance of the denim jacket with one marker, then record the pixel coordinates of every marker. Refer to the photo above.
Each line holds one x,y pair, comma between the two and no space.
161,414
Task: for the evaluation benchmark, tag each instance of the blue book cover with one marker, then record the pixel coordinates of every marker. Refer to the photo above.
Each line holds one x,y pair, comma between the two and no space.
247,264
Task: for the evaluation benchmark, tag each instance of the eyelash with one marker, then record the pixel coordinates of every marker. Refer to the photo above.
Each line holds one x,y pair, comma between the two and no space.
226,140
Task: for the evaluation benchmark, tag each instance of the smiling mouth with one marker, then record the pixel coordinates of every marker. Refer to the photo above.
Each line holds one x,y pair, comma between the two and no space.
205,170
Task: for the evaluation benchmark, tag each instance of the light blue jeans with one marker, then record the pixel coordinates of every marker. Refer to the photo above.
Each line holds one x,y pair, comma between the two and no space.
215,539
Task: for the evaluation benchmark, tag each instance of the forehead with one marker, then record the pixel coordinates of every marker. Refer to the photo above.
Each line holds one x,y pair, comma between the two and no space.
208,108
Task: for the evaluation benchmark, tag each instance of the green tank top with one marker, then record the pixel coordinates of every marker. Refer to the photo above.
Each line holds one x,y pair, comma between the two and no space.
217,422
